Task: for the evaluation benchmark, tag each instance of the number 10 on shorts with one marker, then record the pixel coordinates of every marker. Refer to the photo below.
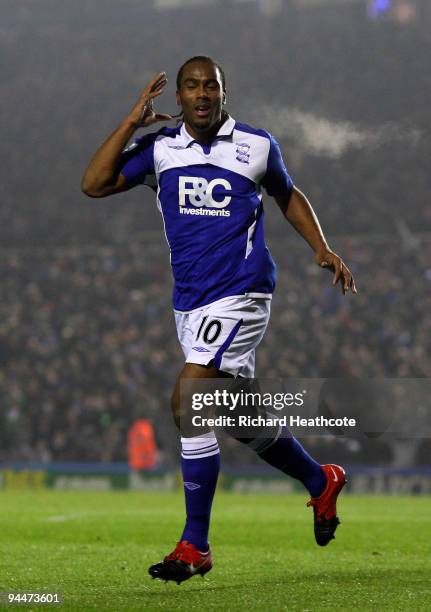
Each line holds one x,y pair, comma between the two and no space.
210,330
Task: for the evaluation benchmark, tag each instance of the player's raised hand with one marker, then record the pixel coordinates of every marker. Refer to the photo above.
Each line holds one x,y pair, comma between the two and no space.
143,113
334,263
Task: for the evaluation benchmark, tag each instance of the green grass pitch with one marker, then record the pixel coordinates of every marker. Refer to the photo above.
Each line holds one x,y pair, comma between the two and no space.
95,548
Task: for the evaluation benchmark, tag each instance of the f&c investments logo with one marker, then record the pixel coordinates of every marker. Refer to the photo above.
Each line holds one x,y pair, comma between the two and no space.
196,196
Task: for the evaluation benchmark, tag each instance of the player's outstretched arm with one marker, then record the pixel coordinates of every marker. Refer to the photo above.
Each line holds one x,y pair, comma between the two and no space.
299,212
102,176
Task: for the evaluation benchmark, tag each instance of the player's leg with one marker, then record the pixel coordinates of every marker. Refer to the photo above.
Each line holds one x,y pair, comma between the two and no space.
200,455
277,446
200,464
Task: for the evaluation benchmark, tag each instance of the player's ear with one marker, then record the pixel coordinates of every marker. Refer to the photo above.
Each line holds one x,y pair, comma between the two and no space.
178,99
223,100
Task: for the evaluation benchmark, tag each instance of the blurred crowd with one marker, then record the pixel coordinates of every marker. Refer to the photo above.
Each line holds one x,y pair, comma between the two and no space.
88,343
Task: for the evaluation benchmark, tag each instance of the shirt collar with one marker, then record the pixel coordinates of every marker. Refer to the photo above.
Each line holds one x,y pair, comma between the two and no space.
226,129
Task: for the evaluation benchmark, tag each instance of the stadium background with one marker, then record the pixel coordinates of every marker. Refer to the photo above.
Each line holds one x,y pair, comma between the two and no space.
87,338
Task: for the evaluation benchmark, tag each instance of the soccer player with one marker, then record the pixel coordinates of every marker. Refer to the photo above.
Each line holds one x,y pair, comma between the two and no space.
209,172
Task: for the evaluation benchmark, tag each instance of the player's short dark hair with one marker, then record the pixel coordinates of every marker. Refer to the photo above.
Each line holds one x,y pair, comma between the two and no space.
201,58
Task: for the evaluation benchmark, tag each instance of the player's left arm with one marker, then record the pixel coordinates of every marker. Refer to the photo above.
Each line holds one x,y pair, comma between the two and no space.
299,212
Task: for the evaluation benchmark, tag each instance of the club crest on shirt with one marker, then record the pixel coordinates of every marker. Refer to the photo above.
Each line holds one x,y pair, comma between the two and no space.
242,152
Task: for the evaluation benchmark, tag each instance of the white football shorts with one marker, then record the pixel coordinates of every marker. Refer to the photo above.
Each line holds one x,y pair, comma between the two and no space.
226,332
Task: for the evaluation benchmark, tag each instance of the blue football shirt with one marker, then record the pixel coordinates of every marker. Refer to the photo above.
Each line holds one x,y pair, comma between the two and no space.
211,202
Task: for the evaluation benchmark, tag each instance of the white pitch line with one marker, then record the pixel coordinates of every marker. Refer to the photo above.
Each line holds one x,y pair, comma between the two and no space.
62,518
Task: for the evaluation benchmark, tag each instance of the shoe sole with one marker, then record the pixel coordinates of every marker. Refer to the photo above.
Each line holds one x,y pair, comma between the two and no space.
166,573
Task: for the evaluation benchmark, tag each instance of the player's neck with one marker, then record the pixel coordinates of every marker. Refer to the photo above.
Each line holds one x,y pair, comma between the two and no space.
206,137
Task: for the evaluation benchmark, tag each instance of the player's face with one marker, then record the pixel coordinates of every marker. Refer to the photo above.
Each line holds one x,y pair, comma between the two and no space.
201,96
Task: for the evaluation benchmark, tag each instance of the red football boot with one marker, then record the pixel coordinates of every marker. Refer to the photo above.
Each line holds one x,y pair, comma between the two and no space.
182,563
326,520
